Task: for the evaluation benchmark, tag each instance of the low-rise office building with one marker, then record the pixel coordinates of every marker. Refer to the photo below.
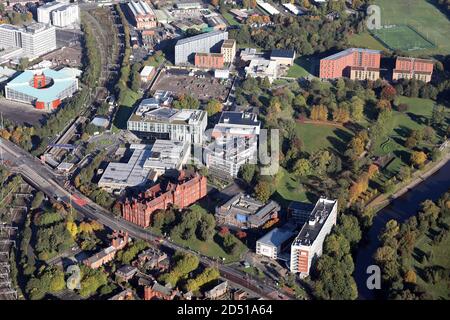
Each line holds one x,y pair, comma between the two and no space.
170,124
274,242
283,57
308,244
245,212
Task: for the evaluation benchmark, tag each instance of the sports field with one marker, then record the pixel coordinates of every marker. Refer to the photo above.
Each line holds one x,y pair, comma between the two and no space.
423,16
402,37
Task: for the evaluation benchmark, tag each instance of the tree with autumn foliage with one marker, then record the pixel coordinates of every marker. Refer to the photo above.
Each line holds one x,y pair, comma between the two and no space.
214,106
384,104
319,112
358,187
418,158
263,191
388,93
341,115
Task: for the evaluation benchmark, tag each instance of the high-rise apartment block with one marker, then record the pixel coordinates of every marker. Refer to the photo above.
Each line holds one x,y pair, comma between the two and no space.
354,63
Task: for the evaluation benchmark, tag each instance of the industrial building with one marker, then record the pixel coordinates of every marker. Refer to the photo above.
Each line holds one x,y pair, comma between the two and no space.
147,162
274,242
180,194
185,49
45,89
143,15
309,242
166,123
413,68
58,14
35,39
245,212
354,63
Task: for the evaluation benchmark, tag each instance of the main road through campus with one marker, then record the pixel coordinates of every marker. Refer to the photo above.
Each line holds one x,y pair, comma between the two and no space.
43,178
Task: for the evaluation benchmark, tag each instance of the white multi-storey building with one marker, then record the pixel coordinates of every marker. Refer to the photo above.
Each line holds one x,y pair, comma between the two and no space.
59,14
309,242
35,39
156,121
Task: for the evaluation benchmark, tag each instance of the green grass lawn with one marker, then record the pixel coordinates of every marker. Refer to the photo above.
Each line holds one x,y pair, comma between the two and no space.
316,137
230,19
289,188
125,110
210,248
440,257
423,16
366,40
303,67
404,38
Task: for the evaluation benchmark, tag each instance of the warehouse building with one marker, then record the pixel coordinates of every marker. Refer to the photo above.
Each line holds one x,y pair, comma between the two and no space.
143,15
185,49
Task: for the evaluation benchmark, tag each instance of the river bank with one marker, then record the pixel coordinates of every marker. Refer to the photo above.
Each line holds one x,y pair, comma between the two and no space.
400,208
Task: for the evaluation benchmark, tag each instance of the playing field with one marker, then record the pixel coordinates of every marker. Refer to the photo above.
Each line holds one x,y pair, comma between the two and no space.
402,37
423,16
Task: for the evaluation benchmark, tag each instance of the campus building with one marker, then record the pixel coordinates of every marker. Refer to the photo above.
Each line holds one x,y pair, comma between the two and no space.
354,63
184,192
262,68
274,242
209,60
44,89
245,212
309,242
283,57
228,50
143,15
58,14
119,241
146,163
235,144
35,39
156,121
413,68
185,49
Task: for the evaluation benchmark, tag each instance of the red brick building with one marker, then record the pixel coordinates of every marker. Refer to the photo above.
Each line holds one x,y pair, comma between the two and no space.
159,292
341,64
412,68
209,60
186,191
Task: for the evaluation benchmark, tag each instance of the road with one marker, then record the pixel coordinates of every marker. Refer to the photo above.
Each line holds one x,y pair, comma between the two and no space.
43,178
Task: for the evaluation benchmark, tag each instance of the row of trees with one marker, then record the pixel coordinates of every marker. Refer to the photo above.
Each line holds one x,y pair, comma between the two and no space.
183,265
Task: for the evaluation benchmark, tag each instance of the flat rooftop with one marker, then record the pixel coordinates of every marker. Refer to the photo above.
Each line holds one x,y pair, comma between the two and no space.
229,43
317,218
350,51
201,37
239,118
276,237
169,115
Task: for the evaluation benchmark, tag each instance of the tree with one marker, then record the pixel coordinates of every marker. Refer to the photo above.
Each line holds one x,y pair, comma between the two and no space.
206,227
247,172
319,112
37,200
72,228
357,108
302,168
213,107
186,101
349,228
158,219
418,158
384,104
320,161
341,115
388,93
263,191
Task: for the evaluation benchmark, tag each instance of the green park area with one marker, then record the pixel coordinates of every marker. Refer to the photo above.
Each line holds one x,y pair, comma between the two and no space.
125,109
428,28
303,67
230,19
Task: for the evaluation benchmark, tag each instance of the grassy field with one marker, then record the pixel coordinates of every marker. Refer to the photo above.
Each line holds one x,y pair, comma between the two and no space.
440,257
316,137
230,19
289,188
423,16
303,67
125,110
366,40
403,38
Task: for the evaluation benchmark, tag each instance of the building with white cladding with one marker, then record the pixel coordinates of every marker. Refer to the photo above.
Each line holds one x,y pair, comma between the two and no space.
59,14
35,39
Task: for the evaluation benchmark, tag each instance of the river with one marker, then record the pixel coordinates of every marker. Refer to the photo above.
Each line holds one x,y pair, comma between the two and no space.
400,209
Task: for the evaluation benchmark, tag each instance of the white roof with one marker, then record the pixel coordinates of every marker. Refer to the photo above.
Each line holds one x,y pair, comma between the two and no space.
146,71
268,7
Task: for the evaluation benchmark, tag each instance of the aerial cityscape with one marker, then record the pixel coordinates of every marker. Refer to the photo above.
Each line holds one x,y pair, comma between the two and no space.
231,150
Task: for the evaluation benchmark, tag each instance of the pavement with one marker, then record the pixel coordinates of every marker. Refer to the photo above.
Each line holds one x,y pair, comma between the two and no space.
43,178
